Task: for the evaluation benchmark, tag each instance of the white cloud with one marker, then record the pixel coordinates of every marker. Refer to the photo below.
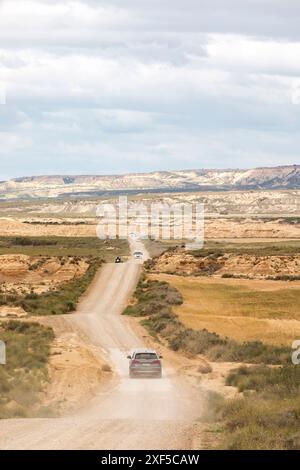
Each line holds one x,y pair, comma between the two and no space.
34,19
148,84
252,54
11,143
2,93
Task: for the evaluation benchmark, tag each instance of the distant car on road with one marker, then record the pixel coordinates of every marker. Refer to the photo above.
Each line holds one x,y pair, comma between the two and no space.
118,259
133,235
145,363
138,254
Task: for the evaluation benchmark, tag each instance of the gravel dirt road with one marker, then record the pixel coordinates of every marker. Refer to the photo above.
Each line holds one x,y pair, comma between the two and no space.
130,413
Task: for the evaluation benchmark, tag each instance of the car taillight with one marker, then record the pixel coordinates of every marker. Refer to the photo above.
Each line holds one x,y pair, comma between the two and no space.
156,362
135,361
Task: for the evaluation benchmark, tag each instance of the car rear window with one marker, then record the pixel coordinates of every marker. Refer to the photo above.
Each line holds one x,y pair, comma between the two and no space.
146,356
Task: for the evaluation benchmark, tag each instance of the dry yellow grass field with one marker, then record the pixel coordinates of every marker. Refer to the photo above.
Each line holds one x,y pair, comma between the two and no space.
240,309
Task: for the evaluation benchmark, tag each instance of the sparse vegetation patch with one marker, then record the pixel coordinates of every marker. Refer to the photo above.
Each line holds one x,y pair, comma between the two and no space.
267,415
25,373
154,302
64,246
56,302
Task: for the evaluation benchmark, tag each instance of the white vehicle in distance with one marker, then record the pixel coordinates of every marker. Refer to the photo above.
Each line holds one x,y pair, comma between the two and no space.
138,255
133,236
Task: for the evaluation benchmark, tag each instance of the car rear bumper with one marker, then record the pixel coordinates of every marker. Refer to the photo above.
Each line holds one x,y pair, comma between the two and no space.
139,372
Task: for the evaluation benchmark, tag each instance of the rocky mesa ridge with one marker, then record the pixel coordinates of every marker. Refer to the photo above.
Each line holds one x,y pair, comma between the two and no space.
281,177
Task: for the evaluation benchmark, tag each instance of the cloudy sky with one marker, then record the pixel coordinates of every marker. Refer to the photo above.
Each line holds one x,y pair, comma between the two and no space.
91,86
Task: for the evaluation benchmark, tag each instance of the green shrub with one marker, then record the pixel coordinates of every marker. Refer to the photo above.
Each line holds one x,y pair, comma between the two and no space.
153,297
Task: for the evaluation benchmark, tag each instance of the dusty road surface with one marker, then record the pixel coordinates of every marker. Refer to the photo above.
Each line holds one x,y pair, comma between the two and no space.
131,413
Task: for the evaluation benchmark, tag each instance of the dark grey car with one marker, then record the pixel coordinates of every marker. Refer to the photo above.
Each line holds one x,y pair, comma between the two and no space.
145,363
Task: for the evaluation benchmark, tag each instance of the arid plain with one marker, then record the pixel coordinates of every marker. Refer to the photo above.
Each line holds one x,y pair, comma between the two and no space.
243,286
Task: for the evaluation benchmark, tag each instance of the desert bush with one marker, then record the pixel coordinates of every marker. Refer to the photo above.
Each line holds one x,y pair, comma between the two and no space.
269,417
205,369
278,381
25,373
34,241
158,323
284,277
153,297
250,351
